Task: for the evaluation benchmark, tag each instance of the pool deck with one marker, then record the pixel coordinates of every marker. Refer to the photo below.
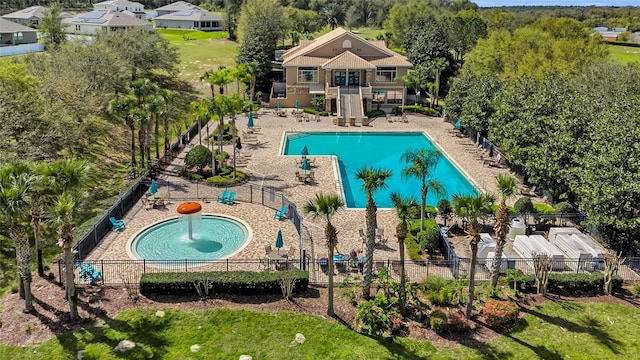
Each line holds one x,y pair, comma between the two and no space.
268,168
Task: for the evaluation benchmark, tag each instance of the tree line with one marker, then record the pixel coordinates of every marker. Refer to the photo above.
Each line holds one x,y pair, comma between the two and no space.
549,98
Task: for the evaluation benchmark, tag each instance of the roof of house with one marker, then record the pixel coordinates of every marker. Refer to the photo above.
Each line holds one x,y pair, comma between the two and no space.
106,18
33,11
191,15
609,34
125,3
7,27
302,54
179,6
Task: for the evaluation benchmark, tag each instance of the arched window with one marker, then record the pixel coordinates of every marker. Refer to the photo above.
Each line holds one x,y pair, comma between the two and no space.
346,44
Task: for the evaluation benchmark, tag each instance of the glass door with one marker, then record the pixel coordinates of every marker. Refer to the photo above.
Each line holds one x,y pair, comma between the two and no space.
354,78
340,78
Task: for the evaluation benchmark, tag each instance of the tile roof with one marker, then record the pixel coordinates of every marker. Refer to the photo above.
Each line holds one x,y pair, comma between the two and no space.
348,60
297,56
37,11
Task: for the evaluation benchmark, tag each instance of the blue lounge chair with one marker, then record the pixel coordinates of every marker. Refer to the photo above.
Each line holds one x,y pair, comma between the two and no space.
230,199
117,224
224,196
89,273
281,214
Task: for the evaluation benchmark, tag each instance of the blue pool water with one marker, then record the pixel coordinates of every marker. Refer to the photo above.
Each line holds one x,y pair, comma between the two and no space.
381,150
213,237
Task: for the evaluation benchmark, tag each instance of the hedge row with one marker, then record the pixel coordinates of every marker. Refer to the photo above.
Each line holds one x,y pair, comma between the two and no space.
422,110
574,284
227,282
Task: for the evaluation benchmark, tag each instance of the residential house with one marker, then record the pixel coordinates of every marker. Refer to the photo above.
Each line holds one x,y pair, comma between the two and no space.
194,19
134,9
16,34
353,74
31,16
176,7
104,20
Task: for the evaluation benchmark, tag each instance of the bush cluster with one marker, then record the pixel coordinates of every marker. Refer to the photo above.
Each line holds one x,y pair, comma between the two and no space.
375,113
379,314
498,313
449,320
314,111
225,177
443,292
227,282
421,110
574,284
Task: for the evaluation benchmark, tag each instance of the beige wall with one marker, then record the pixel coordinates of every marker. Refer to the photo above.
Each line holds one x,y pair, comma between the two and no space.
304,100
358,47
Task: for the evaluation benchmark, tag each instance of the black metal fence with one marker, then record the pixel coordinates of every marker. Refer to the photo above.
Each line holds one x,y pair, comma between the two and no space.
118,272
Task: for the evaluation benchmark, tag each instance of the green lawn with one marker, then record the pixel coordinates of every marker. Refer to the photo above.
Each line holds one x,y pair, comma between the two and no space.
624,54
552,330
201,51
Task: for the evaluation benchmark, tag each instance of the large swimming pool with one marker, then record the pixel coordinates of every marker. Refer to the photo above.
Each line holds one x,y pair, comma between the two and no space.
381,150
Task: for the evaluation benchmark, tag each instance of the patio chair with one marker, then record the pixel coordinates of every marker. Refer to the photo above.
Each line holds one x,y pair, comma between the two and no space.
291,253
231,198
117,224
223,197
382,240
280,214
363,237
267,250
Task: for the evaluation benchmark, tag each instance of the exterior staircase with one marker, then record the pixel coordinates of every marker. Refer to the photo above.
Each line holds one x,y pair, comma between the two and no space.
351,108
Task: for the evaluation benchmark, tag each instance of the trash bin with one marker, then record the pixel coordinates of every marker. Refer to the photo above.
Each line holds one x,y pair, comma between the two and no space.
517,227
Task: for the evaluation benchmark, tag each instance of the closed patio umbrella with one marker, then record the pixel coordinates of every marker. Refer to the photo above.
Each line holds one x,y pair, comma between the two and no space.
279,241
238,144
305,151
278,105
305,165
250,121
297,104
153,189
458,124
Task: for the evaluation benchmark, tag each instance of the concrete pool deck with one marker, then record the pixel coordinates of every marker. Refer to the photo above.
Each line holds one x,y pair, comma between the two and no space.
267,168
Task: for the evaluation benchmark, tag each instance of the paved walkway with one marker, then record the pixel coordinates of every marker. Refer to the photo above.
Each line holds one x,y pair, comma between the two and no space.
260,158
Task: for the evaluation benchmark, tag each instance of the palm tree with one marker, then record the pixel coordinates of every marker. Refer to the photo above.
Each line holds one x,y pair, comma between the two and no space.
239,73
438,65
205,77
406,209
69,177
156,107
333,14
15,189
326,206
507,185
169,98
472,206
421,164
252,69
121,108
372,180
220,78
412,82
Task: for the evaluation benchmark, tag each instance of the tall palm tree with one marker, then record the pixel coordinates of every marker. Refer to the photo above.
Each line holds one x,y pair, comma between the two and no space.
507,185
406,209
412,82
220,78
373,179
69,177
156,107
238,73
333,14
169,98
438,65
121,108
144,89
472,206
15,189
205,77
326,206
421,165
252,69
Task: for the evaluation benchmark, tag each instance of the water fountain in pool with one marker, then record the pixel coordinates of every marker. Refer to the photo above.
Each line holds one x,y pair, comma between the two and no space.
190,212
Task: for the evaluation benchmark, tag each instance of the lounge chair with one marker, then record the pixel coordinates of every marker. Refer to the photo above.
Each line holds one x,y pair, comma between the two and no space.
363,237
223,197
382,240
281,214
117,224
231,198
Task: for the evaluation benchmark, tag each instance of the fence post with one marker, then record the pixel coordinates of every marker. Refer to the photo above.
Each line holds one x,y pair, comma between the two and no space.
186,269
60,271
227,264
144,266
102,270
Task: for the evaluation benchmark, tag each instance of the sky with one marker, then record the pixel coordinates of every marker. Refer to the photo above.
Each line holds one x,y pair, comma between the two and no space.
493,3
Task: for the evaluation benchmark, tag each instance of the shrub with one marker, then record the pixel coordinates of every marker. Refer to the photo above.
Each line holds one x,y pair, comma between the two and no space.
227,179
635,289
574,284
497,313
378,314
413,248
438,321
456,321
543,209
443,292
429,240
421,110
228,282
523,206
227,133
198,157
564,207
375,113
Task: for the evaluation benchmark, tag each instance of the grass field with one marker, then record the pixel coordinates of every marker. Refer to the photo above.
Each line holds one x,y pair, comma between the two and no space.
552,330
624,54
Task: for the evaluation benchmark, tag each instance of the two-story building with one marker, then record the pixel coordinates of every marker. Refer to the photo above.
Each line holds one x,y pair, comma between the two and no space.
353,74
132,8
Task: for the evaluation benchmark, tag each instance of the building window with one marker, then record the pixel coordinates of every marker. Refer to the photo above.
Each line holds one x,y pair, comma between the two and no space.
394,97
215,24
385,74
307,74
346,44
378,96
195,24
77,27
